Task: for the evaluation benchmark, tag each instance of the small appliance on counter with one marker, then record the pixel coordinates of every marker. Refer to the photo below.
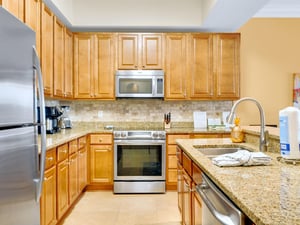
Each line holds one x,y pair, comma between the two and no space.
52,113
64,120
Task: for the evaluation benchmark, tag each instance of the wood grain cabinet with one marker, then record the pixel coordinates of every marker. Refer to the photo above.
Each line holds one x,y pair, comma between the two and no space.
176,66
214,70
140,51
73,171
94,60
48,198
101,160
32,19
47,31
82,163
16,7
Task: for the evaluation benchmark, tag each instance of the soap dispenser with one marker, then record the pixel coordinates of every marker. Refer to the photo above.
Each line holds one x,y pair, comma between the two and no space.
237,135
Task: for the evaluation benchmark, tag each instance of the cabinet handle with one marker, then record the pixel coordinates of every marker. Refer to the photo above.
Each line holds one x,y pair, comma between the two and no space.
188,187
100,140
50,158
45,179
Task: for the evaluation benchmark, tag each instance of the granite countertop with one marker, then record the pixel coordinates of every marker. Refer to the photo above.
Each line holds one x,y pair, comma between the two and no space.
268,195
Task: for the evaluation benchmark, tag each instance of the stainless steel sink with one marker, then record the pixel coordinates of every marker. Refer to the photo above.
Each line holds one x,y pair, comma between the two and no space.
213,152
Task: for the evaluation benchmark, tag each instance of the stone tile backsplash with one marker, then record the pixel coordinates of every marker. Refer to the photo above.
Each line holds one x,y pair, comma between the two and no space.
134,110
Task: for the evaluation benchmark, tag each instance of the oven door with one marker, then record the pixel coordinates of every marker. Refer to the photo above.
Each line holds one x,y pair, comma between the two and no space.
139,160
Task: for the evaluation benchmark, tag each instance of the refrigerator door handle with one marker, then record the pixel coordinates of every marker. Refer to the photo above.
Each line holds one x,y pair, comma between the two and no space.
37,67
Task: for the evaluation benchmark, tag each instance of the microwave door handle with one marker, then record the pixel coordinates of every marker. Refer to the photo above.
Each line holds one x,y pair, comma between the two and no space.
154,86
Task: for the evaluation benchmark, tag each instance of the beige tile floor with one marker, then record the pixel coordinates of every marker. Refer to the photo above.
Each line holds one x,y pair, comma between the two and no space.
106,208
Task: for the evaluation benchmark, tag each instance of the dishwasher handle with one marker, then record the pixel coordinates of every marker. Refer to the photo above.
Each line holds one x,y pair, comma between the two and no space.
222,218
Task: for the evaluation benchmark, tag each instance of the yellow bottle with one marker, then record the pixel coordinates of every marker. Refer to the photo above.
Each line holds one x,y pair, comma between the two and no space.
237,135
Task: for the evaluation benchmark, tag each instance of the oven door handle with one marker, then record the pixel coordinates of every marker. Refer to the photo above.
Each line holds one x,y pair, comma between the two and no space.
224,219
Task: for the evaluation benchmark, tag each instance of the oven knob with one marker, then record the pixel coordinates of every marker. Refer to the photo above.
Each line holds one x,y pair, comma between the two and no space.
155,135
162,135
117,134
123,134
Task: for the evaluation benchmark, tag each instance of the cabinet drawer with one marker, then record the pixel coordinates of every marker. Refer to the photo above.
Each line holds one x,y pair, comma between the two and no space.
173,137
50,158
101,139
197,174
172,161
179,154
187,163
73,147
81,142
62,152
171,149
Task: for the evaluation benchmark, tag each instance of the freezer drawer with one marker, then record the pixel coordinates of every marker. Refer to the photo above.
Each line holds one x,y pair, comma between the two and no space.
18,171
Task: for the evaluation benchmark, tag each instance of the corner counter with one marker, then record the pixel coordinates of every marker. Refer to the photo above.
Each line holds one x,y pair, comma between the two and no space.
268,195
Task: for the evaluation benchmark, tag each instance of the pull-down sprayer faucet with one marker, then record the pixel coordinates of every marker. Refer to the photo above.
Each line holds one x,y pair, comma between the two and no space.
263,142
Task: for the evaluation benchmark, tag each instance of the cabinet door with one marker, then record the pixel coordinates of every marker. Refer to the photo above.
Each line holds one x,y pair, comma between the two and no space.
62,188
101,164
82,169
73,177
128,51
83,65
187,200
68,68
58,76
32,19
201,66
48,198
15,7
196,208
47,49
104,66
180,186
176,67
152,51
227,63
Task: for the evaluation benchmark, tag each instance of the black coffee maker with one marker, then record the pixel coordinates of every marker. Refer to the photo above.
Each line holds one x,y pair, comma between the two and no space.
51,113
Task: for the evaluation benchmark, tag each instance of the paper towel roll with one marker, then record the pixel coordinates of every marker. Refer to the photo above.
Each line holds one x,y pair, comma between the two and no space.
289,128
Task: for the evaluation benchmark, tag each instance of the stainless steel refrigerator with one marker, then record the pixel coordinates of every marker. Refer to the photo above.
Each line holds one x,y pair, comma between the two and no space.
21,170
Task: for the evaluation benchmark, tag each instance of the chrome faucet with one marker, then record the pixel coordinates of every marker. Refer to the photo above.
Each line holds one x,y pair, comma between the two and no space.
263,142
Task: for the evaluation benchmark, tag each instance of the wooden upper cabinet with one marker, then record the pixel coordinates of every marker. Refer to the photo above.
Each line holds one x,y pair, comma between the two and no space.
15,7
104,66
47,27
68,67
176,66
201,66
32,19
83,65
140,51
227,59
58,77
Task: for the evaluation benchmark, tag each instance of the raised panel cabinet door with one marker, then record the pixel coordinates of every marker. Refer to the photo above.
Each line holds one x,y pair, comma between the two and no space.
83,66
59,46
68,67
180,186
47,27
227,63
152,52
82,169
187,200
62,188
201,66
16,7
73,177
176,67
105,66
101,164
48,198
128,52
196,208
33,20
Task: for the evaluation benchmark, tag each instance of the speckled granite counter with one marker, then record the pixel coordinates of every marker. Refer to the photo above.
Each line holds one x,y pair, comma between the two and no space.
268,195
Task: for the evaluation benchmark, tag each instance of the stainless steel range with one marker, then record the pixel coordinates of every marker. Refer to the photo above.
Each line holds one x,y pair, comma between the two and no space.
139,161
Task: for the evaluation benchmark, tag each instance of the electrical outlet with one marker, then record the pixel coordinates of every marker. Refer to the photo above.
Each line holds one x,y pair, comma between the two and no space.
100,114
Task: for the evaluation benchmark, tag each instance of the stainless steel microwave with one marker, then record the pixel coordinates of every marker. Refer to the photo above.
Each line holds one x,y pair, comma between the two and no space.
139,84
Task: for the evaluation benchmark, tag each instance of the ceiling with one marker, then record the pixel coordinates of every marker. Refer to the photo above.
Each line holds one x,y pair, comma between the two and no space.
168,15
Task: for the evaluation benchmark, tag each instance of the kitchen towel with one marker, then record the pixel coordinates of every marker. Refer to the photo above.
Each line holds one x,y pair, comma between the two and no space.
242,158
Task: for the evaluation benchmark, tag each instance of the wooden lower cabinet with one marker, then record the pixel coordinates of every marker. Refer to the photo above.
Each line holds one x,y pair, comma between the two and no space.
62,188
171,164
82,164
186,199
101,160
73,177
48,198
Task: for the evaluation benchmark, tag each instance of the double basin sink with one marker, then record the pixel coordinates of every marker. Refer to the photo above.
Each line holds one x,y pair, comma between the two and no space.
212,152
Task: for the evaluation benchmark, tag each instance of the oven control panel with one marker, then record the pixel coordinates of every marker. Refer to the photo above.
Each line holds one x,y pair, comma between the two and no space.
134,135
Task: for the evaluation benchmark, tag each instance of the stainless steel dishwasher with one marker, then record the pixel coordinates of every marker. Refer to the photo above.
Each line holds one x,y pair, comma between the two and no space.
217,209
